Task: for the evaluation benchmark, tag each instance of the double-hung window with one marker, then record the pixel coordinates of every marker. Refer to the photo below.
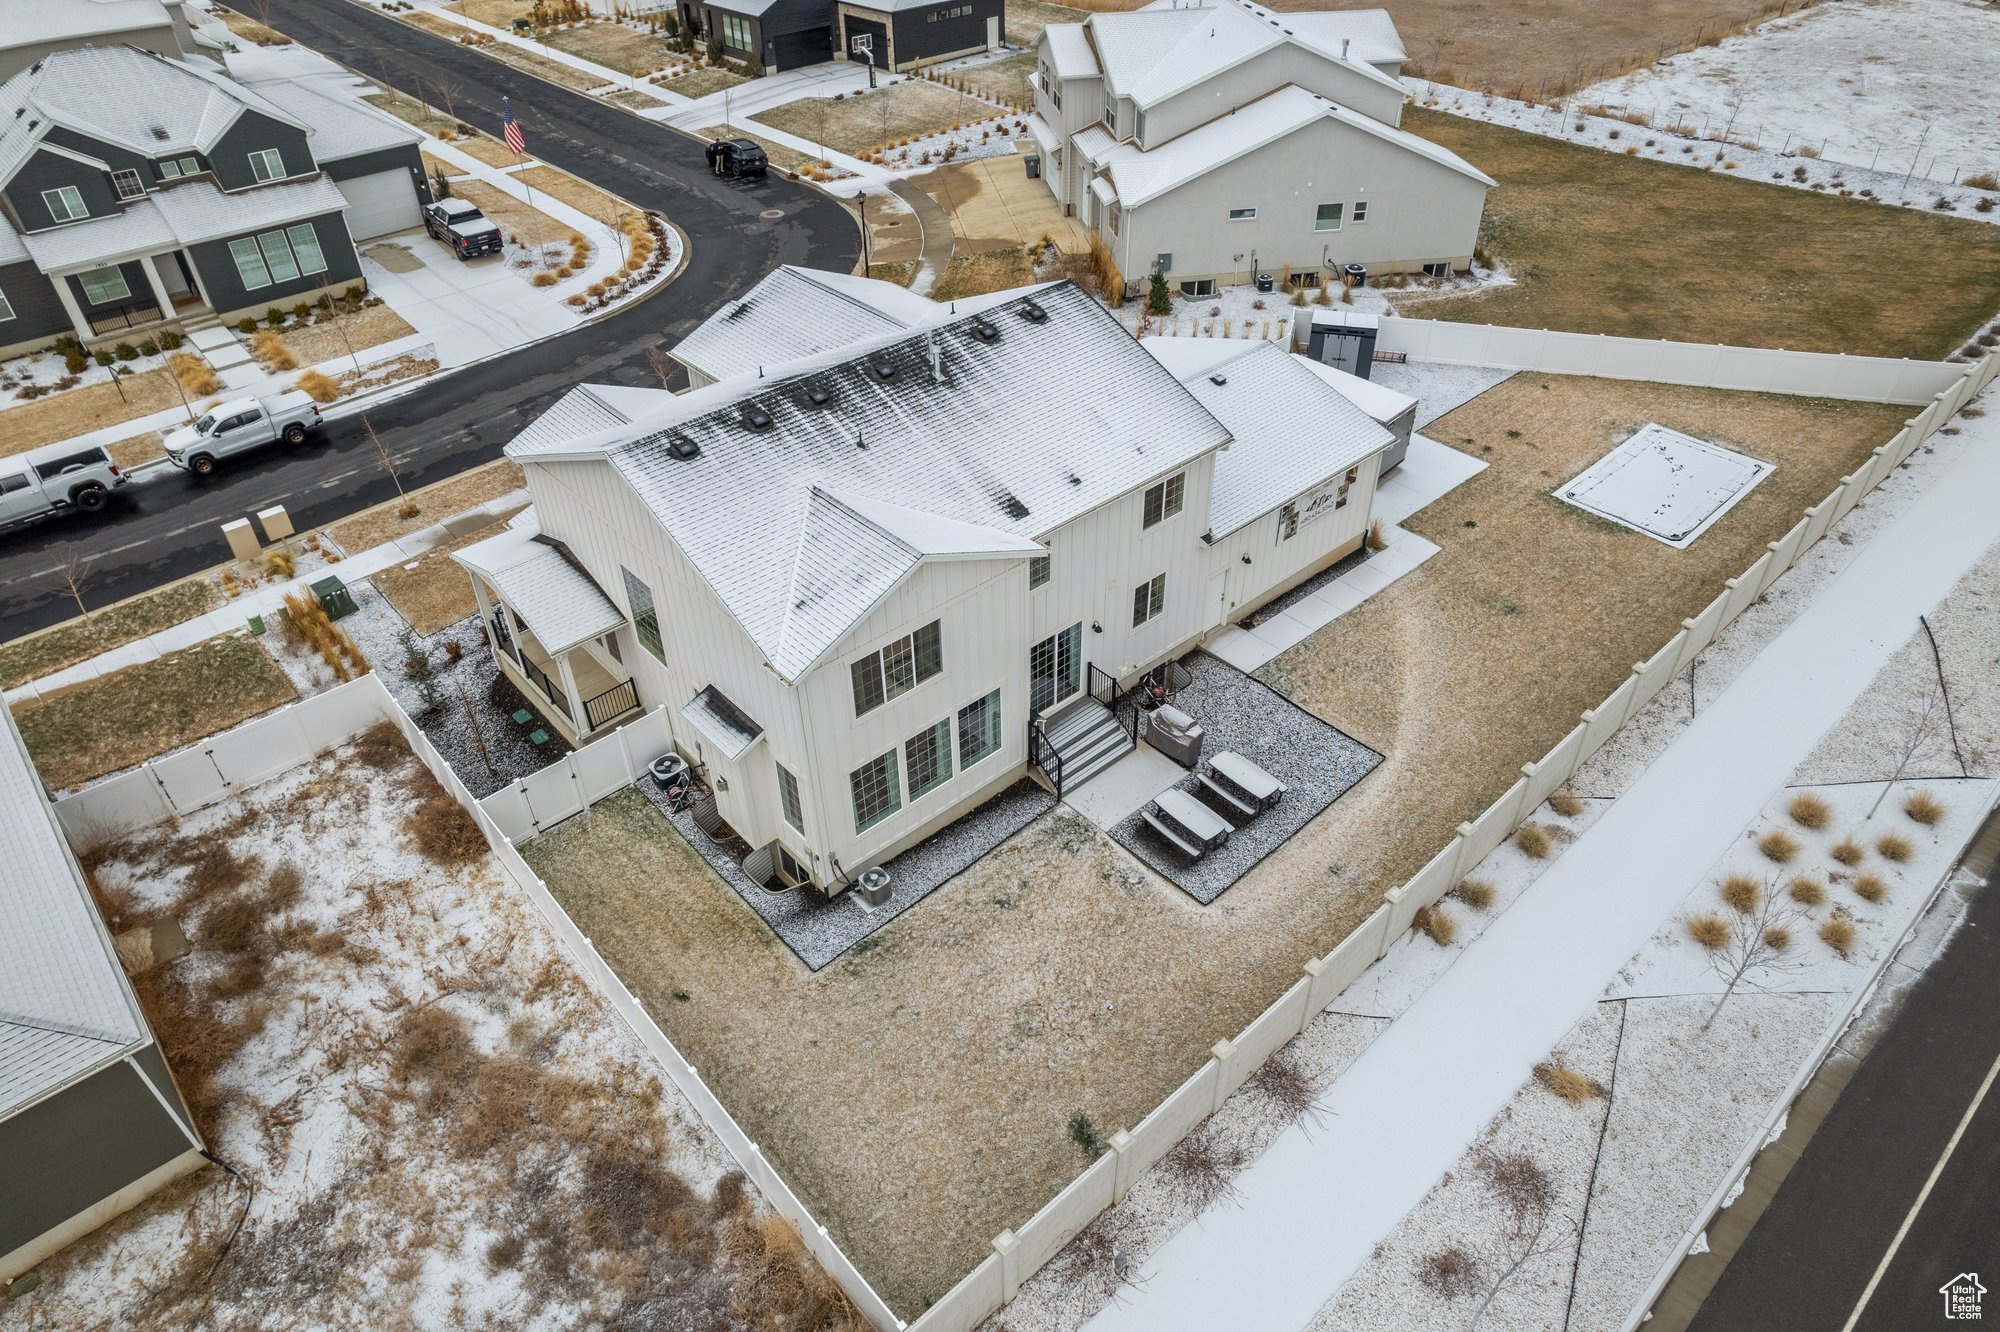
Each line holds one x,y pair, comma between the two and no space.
1328,217
65,203
1164,500
896,668
927,759
978,730
128,184
1360,213
174,168
788,799
101,286
645,619
876,790
278,256
1149,599
267,164
1038,571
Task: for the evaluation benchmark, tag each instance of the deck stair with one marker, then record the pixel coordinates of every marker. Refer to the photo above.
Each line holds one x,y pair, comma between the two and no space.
1088,738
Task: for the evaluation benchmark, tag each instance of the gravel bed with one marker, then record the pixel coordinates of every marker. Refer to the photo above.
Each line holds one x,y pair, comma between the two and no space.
1339,568
1317,764
819,928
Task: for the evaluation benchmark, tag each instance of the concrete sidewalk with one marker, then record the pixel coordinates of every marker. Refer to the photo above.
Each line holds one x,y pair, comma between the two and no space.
1313,1207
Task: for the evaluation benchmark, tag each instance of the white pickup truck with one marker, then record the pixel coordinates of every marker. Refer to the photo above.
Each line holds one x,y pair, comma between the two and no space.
247,423
48,480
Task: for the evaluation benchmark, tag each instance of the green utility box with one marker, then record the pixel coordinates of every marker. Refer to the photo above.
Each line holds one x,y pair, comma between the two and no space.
334,597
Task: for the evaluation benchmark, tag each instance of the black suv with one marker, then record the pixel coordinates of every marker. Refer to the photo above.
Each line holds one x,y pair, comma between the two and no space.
737,157
462,226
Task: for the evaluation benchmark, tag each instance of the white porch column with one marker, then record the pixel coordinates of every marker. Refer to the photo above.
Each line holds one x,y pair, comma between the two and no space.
577,719
485,612
72,309
166,302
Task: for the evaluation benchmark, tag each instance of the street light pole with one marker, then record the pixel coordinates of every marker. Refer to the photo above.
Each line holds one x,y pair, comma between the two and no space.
867,263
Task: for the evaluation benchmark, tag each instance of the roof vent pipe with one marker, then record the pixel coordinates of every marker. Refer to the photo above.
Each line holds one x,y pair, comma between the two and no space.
937,364
1343,48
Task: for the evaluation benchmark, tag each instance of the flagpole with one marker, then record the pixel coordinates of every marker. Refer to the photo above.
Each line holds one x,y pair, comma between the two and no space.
511,134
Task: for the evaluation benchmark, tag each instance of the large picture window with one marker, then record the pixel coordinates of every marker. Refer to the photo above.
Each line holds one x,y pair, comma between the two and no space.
101,286
896,668
645,620
736,32
876,793
927,758
277,256
1327,218
978,730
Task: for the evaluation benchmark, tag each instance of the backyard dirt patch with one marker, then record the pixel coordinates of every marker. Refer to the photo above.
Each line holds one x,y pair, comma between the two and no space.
89,407
138,713
372,527
374,1026
80,639
1026,19
905,110
702,82
586,199
1604,243
1010,80
977,274
615,46
1057,976
432,590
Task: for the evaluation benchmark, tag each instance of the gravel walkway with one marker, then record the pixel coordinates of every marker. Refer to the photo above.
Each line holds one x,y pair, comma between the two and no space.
818,928
1317,764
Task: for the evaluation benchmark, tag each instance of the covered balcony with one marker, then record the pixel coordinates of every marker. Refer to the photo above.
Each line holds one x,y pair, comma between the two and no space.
552,630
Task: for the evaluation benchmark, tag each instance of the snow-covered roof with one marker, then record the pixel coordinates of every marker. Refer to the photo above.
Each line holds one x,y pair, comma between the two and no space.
35,22
587,409
802,515
1143,176
727,726
1290,429
184,213
137,100
1380,401
543,583
1095,143
65,1006
796,312
1153,53
140,228
1070,56
341,126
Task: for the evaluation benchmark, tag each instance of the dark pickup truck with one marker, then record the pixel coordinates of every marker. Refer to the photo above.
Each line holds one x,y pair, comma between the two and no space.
737,157
461,225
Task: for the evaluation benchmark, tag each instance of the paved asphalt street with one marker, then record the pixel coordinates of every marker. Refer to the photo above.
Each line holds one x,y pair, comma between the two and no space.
1853,1196
165,527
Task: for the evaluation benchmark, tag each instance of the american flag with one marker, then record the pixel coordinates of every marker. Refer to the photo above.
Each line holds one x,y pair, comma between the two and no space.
511,131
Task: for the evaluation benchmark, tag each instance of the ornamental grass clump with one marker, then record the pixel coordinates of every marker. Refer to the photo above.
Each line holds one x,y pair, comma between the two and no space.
1925,808
1810,811
1895,846
1777,846
1847,851
1870,887
1807,892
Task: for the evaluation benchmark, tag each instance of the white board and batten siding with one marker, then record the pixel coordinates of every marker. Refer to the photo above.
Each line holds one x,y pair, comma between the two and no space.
1275,563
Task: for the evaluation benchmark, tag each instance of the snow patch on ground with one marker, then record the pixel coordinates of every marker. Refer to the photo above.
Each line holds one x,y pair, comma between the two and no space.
1663,483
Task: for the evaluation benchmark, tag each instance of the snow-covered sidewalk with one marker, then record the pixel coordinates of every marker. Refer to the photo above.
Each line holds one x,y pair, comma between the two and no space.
1316,1204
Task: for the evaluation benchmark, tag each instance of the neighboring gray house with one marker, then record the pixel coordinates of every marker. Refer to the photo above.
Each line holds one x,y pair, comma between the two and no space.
1214,141
36,28
90,1119
787,34
137,190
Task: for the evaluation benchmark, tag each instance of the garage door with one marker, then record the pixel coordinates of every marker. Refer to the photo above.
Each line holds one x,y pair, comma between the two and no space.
380,204
796,50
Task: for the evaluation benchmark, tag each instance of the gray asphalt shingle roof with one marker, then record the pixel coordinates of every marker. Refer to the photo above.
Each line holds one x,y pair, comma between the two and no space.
795,312
560,603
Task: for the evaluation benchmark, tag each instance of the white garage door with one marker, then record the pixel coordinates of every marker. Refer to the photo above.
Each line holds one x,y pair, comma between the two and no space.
380,204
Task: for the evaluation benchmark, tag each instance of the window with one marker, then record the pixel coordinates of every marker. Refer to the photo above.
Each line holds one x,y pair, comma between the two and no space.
876,796
1038,571
1198,287
1242,214
645,620
305,244
249,263
1437,270
1164,500
897,668
1149,599
1053,667
978,730
1111,112
6,309
610,642
788,799
128,184
1360,213
1328,217
736,32
175,168
267,164
278,256
12,482
101,286
65,204
927,757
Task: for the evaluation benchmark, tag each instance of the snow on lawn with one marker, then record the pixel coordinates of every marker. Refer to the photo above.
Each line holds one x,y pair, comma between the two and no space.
1245,312
44,370
1663,483
444,1126
1697,145
995,137
1867,83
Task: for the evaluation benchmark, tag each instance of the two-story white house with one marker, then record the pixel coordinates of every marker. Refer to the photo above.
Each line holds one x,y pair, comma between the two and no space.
1218,140
865,582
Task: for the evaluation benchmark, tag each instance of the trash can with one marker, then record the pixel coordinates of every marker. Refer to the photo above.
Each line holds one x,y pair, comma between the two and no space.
1265,282
334,597
1174,734
1357,274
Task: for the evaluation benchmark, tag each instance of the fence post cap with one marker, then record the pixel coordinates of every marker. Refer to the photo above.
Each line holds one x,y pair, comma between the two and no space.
1465,830
1005,1241
1223,1048
1530,769
1120,1140
1638,668
1315,966
1689,624
1588,715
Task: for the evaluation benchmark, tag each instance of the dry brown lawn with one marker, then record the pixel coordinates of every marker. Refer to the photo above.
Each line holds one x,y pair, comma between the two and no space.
129,453
515,217
490,151
82,638
1604,243
250,30
138,713
498,13
630,99
905,110
90,407
977,274
331,340
433,591
1058,975
412,112
614,46
781,157
1026,19
1008,80
585,198
555,71
1541,48
702,82
372,527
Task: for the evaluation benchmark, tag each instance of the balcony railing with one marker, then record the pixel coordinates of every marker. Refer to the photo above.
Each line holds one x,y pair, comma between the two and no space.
614,702
550,690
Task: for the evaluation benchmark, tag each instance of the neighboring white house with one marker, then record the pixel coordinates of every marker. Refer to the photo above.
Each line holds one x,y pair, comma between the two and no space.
1219,140
855,579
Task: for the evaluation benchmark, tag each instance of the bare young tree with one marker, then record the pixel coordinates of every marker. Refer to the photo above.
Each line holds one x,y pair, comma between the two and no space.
333,312
1915,725
448,90
1526,1195
388,461
661,366
1750,944
73,569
